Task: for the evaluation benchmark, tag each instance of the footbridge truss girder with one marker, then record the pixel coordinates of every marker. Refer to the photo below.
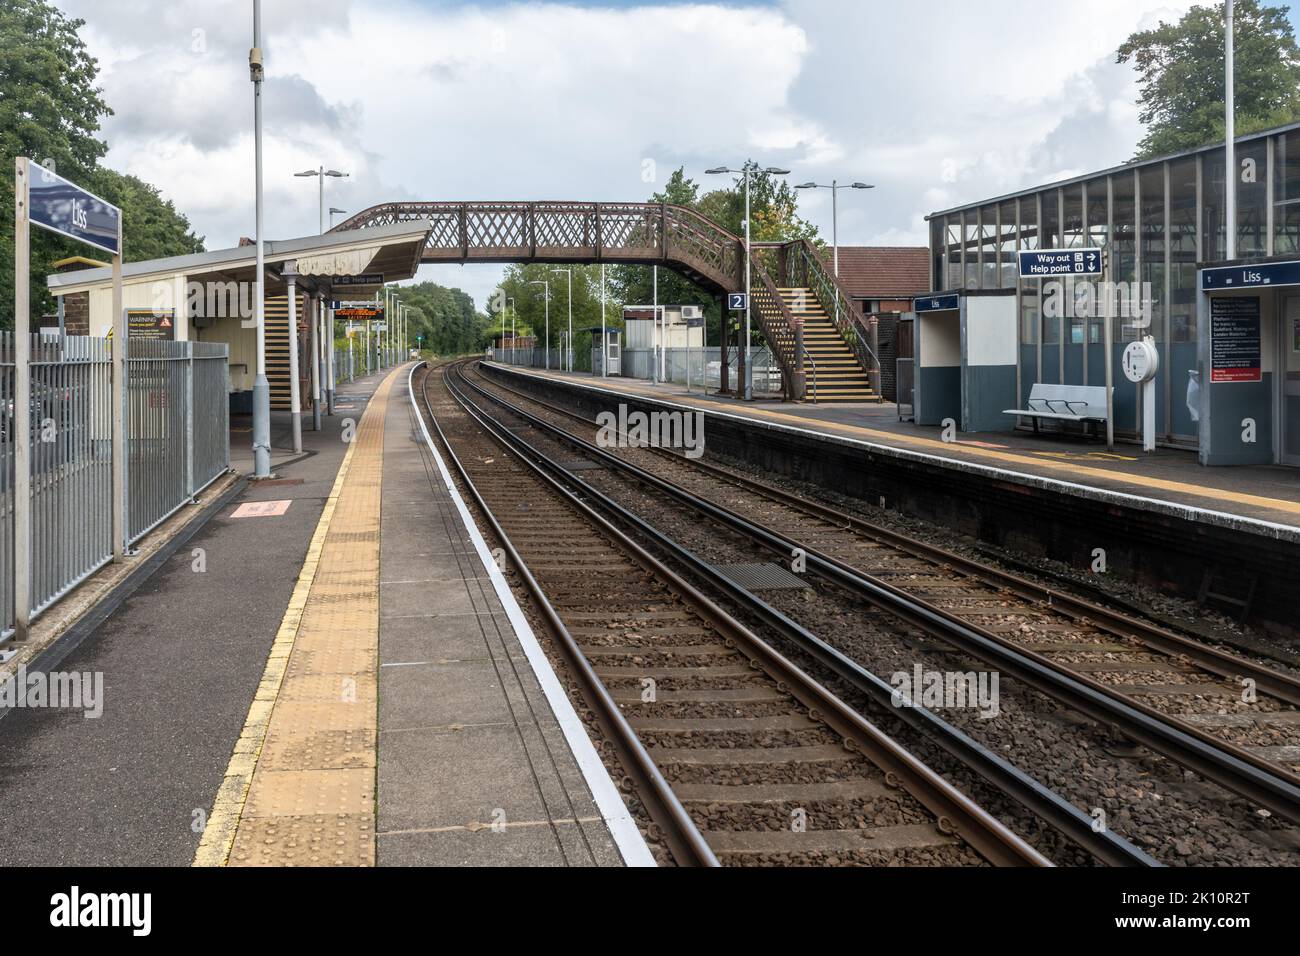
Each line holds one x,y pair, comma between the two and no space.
581,232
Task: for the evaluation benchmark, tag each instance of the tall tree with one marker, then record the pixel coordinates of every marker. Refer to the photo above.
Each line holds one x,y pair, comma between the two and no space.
50,110
1181,75
444,319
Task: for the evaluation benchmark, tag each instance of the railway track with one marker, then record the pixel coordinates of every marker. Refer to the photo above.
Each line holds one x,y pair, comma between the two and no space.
735,754
1175,695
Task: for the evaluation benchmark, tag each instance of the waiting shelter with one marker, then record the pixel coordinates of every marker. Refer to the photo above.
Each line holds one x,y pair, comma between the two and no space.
965,358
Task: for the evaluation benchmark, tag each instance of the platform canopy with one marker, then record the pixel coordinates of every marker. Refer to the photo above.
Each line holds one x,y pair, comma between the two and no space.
353,264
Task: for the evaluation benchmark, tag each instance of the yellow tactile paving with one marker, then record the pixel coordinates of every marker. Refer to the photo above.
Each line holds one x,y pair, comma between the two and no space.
300,787
1074,471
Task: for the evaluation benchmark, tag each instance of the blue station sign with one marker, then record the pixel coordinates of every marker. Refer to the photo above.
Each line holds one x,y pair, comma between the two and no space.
1250,277
935,303
60,206
1046,263
737,301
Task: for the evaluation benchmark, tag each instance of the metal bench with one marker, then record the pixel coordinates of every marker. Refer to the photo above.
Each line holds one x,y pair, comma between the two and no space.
1069,403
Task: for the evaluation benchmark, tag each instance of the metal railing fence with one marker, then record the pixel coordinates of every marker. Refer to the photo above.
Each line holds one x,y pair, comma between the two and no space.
177,421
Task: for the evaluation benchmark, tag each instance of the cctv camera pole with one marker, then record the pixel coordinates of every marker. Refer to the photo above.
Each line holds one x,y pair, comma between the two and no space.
261,387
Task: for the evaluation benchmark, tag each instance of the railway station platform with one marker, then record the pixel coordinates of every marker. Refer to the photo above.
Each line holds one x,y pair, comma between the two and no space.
327,671
1267,495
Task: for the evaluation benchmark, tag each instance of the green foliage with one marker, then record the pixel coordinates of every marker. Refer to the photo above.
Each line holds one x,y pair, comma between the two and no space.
774,216
528,311
1181,72
50,109
445,318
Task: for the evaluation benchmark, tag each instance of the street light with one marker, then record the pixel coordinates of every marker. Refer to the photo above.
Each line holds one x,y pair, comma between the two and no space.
569,275
320,173
261,385
546,297
333,210
746,169
835,188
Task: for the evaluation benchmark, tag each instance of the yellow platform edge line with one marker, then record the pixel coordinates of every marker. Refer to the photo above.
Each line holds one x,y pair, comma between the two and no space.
228,806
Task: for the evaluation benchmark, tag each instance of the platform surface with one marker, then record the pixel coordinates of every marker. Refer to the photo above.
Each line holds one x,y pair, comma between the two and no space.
1260,493
398,721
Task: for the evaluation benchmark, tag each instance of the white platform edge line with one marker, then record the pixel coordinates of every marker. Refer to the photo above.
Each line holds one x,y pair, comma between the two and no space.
1190,512
627,836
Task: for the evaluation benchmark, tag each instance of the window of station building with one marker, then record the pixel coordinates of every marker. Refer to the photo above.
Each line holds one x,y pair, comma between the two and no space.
1252,199
1010,270
971,243
954,252
1072,223
1152,293
938,255
1286,193
1123,257
1050,234
1213,244
1029,222
989,247
1029,311
1098,212
1182,250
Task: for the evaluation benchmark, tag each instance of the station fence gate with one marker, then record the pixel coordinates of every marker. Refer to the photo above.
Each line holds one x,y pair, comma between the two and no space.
178,442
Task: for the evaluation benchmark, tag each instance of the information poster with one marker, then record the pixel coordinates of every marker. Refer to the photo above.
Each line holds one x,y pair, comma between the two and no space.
1235,340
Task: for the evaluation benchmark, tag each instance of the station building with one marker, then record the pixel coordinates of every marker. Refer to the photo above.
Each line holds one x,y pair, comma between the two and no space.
1229,376
208,296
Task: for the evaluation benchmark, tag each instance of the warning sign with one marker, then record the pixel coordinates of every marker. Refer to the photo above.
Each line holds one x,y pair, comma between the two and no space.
1235,340
150,324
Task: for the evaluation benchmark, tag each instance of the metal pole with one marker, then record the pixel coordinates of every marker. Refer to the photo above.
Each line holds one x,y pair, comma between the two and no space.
569,273
547,347
261,387
1108,337
295,389
658,341
21,437
1230,124
835,243
315,364
329,354
604,335
320,179
749,371
121,371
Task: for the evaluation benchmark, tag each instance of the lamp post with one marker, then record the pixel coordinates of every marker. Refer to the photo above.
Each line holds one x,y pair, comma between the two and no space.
1230,130
333,210
835,188
569,276
546,298
748,167
320,173
261,386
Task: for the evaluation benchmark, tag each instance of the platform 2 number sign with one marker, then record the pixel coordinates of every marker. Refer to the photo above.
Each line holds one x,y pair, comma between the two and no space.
737,301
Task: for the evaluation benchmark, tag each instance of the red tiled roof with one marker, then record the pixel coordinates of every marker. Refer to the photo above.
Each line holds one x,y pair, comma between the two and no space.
883,272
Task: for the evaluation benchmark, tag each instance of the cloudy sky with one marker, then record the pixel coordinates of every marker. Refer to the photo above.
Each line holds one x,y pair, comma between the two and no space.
935,102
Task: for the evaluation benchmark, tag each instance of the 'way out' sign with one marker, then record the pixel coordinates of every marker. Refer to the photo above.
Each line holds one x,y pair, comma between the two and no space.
64,207
1045,263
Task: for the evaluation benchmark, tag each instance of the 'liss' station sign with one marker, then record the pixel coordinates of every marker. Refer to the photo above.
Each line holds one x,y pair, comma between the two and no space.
1250,277
60,206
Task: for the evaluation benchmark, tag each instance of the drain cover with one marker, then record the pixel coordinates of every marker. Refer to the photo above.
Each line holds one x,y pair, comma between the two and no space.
761,577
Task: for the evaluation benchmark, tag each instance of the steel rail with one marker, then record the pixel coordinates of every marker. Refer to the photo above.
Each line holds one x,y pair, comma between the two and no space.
1232,767
685,842
1108,847
954,810
1227,665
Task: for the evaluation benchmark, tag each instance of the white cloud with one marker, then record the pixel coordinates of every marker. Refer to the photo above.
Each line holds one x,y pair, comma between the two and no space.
937,103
